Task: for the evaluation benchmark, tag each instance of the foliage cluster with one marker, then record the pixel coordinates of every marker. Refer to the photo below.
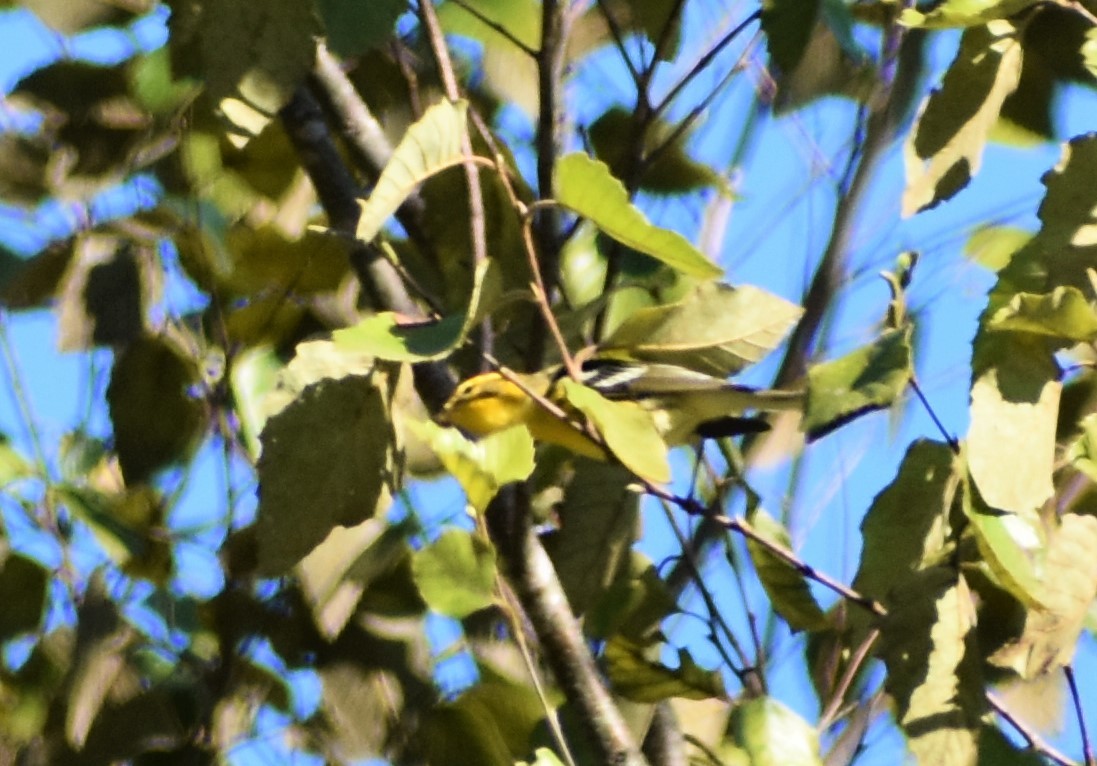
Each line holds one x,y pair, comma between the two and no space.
343,187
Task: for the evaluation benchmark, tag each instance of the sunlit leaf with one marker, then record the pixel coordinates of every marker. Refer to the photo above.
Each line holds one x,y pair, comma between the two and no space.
627,429
1063,315
964,13
1011,440
586,187
946,146
432,144
482,467
771,734
336,573
13,466
927,644
870,378
1069,575
717,329
387,336
993,246
1014,546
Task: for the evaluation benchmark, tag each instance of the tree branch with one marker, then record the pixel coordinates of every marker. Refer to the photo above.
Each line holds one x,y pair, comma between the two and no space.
336,188
537,586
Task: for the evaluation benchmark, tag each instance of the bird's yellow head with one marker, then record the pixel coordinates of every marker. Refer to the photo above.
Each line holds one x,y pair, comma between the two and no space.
486,404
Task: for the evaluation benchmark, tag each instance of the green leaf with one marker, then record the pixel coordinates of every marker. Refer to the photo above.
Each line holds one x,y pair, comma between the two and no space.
628,431
23,591
13,466
907,526
337,572
633,605
586,187
928,646
1063,315
353,27
788,25
309,485
1013,545
639,679
456,573
491,724
1082,452
945,148
510,74
669,170
870,378
106,293
774,735
1051,632
253,377
483,466
156,419
432,144
964,13
786,587
1011,439
598,516
717,329
994,246
1089,51
389,336
250,56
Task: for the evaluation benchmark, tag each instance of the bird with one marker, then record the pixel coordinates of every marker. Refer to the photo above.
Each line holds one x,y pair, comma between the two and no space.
685,405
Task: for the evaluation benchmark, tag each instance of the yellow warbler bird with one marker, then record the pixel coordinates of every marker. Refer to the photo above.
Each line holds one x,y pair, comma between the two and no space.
684,404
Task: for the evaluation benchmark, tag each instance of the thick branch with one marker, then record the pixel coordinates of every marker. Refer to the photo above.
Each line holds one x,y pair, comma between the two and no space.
336,188
534,579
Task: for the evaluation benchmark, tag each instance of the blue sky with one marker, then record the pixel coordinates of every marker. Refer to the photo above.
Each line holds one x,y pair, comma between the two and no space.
781,219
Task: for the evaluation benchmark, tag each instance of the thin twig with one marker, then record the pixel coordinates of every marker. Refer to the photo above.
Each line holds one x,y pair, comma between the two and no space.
619,41
703,62
743,527
495,26
1034,740
953,444
745,674
830,714
1087,748
511,608
828,276
429,19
